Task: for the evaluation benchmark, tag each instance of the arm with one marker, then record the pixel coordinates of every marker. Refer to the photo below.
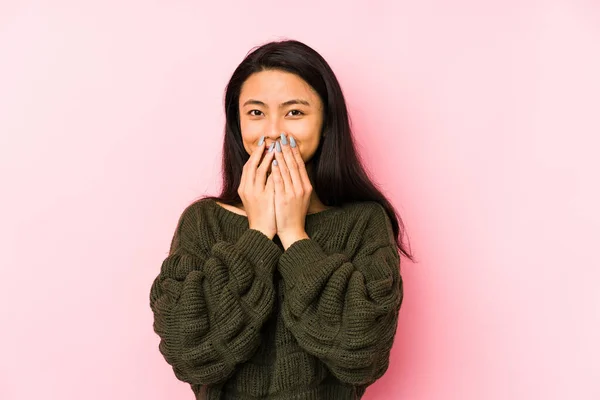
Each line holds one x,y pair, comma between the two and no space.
209,304
345,311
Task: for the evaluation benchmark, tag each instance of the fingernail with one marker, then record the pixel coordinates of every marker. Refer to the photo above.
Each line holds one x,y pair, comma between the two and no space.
292,142
283,139
262,139
278,147
271,147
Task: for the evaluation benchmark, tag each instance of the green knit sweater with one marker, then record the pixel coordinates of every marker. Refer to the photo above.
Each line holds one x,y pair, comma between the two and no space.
240,318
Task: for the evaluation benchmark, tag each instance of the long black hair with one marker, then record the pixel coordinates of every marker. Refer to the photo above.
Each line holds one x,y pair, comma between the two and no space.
338,175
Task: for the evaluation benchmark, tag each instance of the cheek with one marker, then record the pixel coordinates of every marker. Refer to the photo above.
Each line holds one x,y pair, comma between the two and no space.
304,128
306,151
249,127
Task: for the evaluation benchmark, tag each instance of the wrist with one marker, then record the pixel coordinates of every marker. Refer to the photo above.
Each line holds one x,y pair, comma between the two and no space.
287,239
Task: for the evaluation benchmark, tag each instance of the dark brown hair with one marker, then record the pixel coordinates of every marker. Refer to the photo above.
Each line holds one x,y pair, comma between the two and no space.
338,175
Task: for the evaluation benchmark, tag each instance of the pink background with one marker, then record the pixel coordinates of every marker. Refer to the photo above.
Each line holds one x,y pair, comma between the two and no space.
480,121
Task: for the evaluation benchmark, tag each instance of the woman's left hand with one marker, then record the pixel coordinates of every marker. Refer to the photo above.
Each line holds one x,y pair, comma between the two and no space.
292,193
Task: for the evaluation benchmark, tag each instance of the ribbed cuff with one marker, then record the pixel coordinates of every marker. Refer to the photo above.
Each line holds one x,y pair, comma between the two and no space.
301,259
261,251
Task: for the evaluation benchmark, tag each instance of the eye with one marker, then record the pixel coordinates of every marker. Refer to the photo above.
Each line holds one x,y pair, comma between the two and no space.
296,113
251,112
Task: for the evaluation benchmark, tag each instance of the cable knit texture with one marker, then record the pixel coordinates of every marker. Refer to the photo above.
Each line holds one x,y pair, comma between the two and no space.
240,318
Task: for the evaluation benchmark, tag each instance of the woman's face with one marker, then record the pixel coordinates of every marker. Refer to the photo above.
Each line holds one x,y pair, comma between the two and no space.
273,102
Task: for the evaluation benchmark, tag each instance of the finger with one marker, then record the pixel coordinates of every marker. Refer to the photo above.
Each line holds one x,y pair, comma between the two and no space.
269,184
253,161
265,164
300,166
284,171
292,166
277,180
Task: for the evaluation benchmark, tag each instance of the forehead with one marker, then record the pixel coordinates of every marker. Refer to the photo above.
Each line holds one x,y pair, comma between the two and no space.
276,86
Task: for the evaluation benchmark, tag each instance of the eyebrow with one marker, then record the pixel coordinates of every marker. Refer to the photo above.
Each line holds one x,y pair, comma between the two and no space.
282,105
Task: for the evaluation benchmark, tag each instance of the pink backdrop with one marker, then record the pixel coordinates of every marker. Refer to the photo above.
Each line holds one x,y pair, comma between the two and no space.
480,121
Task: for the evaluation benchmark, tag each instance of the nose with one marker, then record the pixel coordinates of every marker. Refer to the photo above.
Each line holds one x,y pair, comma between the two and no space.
273,131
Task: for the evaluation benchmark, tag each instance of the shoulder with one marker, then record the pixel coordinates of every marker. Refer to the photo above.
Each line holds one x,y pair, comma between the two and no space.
375,216
358,216
193,213
211,219
190,211
366,209
194,230
371,206
199,207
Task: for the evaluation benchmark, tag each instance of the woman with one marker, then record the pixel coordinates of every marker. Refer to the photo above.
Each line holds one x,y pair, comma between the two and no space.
287,285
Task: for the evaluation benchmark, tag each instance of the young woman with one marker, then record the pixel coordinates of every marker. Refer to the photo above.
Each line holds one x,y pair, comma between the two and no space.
287,285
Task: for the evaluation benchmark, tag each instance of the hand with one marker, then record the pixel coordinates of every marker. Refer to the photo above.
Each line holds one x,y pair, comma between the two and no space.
292,194
257,192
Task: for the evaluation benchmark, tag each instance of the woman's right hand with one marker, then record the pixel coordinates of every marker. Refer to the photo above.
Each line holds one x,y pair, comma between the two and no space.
257,191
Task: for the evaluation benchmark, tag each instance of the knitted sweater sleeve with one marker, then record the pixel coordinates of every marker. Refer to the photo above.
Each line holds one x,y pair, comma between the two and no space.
210,300
345,311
